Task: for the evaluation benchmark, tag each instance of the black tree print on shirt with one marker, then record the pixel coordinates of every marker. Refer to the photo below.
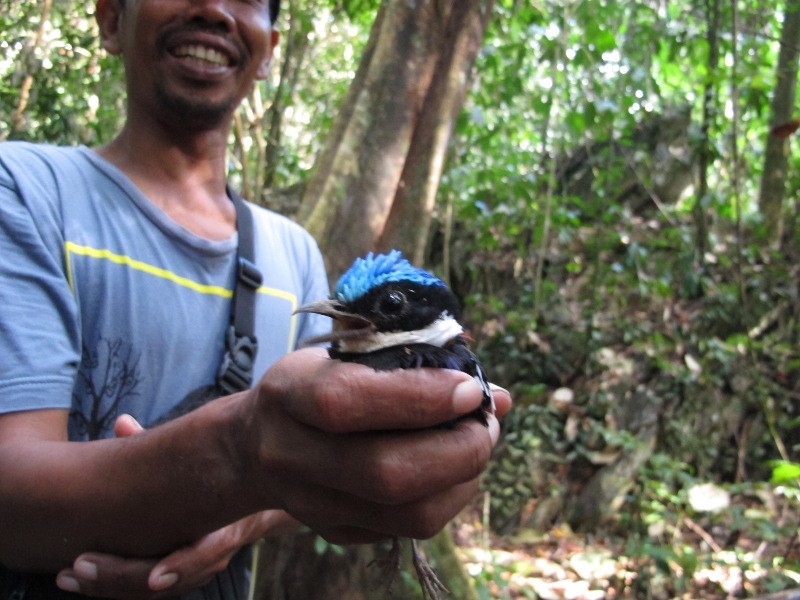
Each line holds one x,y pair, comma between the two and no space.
108,375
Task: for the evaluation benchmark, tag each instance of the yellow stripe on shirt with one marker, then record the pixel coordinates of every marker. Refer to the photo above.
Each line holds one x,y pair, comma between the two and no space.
215,290
121,259
137,265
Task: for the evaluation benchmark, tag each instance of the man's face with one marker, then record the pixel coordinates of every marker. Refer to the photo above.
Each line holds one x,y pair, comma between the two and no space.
192,60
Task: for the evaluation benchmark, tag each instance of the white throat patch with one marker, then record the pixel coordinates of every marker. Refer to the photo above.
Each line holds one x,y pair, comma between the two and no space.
438,333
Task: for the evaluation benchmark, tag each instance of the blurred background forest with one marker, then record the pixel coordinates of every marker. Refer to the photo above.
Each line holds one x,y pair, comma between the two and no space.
612,190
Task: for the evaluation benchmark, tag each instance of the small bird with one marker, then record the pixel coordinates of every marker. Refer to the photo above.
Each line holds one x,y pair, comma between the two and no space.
389,314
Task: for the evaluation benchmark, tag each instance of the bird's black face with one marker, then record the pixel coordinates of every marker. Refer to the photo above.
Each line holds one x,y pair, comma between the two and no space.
400,306
404,306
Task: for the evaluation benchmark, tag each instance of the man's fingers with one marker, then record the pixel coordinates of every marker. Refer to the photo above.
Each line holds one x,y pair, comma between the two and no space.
126,425
107,576
349,520
213,552
342,397
388,468
502,399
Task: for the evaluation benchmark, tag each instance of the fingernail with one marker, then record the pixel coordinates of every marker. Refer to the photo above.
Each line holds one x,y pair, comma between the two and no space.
494,429
496,388
162,582
466,396
86,569
68,584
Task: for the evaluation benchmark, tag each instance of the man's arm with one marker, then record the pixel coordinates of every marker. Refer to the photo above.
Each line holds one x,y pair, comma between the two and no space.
188,568
346,450
139,496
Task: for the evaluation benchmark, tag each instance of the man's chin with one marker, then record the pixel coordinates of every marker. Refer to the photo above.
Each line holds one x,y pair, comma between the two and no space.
196,112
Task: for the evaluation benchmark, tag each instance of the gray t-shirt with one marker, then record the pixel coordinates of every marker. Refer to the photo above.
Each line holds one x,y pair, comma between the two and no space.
107,306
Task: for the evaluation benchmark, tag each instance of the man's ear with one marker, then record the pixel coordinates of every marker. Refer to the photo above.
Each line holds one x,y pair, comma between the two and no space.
108,13
263,68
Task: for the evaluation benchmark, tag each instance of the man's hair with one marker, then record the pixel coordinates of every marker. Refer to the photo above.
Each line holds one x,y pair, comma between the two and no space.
274,8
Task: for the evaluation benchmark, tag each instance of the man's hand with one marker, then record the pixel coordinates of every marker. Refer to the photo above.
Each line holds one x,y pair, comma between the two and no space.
359,455
355,454
108,576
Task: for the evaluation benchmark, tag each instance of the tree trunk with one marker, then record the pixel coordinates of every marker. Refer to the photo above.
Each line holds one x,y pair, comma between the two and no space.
390,137
639,413
700,208
261,124
384,156
299,568
410,217
773,178
296,46
295,568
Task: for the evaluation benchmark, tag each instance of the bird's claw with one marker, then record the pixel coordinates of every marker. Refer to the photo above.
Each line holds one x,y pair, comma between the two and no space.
389,564
432,588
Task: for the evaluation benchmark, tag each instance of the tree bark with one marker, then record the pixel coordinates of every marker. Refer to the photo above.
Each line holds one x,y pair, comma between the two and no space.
296,46
409,219
773,178
294,568
385,153
297,568
700,210
261,124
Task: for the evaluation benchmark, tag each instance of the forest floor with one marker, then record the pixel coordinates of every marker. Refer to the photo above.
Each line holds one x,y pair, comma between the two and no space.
707,556
639,334
664,326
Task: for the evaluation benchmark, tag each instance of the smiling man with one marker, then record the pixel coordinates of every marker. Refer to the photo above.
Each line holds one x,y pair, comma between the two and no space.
197,67
117,269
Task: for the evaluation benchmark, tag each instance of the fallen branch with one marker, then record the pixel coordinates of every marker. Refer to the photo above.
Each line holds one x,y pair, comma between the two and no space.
703,534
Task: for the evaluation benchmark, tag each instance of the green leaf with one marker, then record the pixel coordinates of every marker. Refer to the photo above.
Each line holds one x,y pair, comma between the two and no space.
784,471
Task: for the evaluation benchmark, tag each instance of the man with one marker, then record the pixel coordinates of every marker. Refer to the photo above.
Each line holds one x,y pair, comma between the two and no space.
115,281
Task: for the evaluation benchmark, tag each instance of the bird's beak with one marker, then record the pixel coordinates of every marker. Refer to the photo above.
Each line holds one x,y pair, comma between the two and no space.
347,325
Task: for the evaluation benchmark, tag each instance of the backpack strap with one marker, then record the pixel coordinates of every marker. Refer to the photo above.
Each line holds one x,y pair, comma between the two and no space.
236,371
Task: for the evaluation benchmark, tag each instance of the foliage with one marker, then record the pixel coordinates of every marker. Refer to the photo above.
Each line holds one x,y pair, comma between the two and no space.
784,471
78,92
586,297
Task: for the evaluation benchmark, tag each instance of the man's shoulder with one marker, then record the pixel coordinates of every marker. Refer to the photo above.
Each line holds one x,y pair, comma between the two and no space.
31,151
32,161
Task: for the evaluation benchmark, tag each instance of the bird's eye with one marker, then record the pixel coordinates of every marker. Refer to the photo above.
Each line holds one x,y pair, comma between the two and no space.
393,302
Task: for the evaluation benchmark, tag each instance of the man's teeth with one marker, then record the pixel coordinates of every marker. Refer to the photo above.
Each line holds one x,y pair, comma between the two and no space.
202,53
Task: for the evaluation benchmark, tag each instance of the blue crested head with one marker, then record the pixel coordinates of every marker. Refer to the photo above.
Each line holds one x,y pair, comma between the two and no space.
376,269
